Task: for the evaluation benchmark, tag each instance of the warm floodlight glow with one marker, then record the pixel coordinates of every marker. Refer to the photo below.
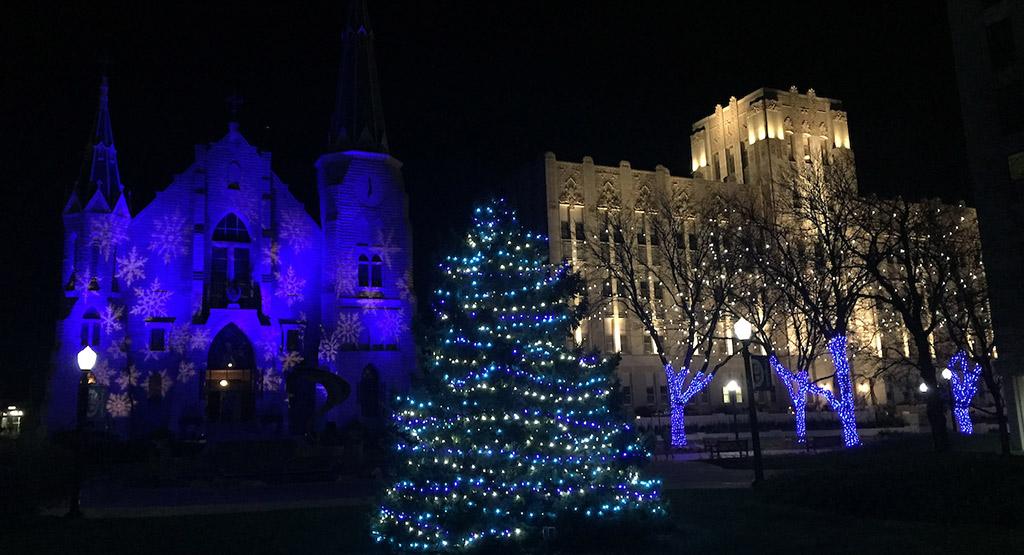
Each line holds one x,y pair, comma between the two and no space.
732,387
223,383
743,329
863,387
86,359
947,373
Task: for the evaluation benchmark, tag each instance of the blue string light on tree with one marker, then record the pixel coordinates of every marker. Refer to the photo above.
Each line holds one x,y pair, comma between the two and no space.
964,385
512,430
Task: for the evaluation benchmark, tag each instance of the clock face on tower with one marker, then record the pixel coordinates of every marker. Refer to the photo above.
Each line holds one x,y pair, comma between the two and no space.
371,192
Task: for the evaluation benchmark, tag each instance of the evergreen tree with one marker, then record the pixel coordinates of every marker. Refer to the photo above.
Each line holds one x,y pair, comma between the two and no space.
513,431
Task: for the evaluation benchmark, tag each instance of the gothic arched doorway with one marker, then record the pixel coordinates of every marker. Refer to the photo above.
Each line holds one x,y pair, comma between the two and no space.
230,386
369,393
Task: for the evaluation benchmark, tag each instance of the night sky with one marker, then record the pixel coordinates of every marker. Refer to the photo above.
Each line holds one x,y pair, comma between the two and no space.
474,93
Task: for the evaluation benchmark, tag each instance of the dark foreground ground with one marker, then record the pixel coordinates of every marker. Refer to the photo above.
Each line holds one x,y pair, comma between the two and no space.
706,521
891,498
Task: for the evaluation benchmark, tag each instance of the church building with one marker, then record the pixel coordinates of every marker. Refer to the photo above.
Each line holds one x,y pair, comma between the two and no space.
223,304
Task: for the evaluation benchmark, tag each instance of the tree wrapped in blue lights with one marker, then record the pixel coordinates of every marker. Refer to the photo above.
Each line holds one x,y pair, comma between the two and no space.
512,431
963,386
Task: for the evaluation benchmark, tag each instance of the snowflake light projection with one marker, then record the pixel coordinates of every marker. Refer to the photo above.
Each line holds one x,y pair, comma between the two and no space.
117,349
272,253
152,301
290,360
271,379
106,234
327,351
165,383
345,276
391,324
102,373
110,318
169,238
404,287
386,245
148,354
87,284
199,340
293,231
131,268
186,371
349,328
289,286
128,378
118,405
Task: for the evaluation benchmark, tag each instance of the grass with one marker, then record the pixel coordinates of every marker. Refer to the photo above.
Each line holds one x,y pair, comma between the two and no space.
713,521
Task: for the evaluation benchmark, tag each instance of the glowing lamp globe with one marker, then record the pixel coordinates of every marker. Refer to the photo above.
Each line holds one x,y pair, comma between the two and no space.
947,373
743,329
923,388
86,359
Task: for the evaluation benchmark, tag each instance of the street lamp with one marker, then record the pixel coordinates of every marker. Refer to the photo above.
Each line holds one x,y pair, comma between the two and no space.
86,361
947,374
743,330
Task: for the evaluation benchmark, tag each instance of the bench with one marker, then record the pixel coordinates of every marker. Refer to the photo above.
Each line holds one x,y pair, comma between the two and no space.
715,447
824,442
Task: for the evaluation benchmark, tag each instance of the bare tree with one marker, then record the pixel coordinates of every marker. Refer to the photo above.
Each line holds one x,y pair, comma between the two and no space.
667,263
805,231
905,247
968,319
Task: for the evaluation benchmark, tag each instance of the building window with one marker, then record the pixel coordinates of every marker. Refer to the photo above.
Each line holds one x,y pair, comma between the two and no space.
375,272
641,237
716,164
565,229
580,233
230,271
664,394
90,333
606,287
807,148
730,164
369,393
650,395
364,271
231,229
732,393
627,395
619,237
293,340
157,340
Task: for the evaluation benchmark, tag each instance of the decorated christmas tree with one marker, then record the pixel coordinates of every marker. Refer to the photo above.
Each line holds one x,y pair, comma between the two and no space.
513,431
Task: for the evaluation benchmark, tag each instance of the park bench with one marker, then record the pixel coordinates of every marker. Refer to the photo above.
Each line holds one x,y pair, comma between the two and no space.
824,442
715,447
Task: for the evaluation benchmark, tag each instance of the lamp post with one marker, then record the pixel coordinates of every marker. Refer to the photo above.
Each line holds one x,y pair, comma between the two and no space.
743,330
86,362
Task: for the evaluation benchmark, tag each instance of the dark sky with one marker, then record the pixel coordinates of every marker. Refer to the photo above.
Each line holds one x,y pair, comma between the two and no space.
474,93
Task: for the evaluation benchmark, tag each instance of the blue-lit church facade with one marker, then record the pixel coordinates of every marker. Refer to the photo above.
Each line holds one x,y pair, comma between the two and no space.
223,303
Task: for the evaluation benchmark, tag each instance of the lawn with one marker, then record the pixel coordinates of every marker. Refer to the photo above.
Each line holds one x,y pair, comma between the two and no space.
709,521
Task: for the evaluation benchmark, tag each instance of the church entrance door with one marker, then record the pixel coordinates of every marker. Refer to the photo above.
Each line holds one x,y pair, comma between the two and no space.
230,385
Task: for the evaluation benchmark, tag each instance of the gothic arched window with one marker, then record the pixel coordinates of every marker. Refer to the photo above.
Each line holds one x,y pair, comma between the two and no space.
230,270
364,271
375,272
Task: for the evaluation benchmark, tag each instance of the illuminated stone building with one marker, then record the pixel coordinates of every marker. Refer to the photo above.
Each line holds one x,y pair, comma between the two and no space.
753,143
220,303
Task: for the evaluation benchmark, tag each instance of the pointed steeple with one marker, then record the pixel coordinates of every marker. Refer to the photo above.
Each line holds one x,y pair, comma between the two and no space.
99,187
358,121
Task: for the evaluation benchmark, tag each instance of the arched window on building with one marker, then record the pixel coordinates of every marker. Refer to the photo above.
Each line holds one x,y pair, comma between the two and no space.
364,271
234,176
230,269
90,331
375,272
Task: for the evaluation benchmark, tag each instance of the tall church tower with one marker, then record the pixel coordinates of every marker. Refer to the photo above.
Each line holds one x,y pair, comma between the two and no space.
367,302
96,219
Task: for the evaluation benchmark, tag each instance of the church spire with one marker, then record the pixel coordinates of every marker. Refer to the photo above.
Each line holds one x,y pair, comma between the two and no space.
99,187
358,121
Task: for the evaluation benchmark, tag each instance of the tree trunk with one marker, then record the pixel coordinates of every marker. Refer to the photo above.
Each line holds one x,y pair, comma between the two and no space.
935,407
678,425
844,401
997,396
800,412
